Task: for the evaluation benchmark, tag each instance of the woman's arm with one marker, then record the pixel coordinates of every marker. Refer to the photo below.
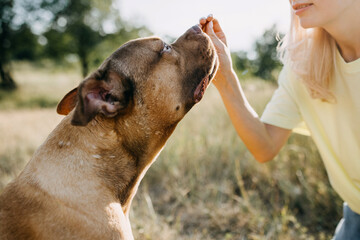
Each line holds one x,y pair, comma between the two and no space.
264,141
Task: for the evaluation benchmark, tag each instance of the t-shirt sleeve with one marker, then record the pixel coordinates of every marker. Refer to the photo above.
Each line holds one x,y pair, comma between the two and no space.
282,110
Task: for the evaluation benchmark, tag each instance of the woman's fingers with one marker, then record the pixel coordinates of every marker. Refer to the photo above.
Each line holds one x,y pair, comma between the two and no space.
213,27
210,29
205,20
202,23
209,18
217,27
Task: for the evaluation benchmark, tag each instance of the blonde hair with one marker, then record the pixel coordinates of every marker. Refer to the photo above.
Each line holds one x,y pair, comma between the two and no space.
311,54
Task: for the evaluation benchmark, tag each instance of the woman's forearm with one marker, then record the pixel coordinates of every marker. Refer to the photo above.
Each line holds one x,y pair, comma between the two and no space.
263,141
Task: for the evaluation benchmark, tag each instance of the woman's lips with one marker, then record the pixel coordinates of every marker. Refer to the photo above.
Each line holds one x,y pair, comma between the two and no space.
301,7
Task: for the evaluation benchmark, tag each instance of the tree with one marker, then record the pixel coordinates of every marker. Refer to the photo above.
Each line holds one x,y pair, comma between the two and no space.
17,40
24,44
266,55
265,59
241,62
70,33
63,27
6,16
79,28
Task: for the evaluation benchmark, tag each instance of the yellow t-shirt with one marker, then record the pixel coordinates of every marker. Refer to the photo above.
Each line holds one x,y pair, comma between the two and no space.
335,128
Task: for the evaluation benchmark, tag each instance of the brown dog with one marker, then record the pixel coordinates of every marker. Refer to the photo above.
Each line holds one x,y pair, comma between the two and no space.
81,181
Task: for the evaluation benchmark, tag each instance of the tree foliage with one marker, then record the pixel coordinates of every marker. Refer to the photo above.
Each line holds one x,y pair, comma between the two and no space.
266,55
6,17
265,59
90,30
80,27
55,29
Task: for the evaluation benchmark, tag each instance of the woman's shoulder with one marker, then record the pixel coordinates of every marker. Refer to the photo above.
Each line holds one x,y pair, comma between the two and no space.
288,76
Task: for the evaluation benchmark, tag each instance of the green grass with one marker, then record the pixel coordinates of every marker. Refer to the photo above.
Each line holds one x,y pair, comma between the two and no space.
39,86
205,184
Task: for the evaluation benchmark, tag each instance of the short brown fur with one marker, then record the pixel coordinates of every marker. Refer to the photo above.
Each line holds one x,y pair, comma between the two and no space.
80,182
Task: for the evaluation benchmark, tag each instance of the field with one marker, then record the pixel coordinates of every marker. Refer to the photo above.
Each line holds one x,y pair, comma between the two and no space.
205,184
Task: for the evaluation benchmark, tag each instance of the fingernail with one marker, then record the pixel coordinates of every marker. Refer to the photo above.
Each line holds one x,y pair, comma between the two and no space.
210,15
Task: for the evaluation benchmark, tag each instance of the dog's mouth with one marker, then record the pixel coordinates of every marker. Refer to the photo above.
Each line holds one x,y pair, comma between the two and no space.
204,83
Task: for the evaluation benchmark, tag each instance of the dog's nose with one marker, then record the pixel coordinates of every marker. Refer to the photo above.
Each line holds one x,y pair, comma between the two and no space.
196,29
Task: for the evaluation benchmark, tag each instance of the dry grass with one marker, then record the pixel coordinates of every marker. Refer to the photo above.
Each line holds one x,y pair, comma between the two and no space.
43,88
22,131
205,184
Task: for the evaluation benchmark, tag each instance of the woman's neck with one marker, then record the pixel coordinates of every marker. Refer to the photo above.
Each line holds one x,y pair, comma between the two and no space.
346,32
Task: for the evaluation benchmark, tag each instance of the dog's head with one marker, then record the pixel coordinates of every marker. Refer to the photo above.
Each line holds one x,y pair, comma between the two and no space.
147,79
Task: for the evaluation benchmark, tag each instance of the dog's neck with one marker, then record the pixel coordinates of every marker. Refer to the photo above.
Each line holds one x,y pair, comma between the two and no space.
115,159
140,151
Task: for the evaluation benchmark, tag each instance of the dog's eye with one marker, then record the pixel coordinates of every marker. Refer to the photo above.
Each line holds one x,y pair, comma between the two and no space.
167,48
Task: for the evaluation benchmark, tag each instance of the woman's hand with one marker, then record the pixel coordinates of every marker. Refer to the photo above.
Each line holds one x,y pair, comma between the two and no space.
212,28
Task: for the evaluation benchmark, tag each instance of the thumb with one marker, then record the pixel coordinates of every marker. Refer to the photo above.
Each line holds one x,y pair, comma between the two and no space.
219,44
210,30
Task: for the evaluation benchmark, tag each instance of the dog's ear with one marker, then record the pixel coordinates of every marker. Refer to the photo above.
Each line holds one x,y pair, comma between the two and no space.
108,94
67,103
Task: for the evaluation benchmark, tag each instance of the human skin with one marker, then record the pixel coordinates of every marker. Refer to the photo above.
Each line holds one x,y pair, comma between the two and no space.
340,18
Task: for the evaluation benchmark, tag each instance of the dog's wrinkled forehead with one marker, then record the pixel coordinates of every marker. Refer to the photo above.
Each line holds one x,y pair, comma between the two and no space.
137,57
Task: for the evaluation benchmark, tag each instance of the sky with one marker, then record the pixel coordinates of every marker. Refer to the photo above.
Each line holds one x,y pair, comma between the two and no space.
243,21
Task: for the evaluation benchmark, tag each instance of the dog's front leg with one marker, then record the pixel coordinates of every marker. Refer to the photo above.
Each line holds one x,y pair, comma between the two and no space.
119,221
